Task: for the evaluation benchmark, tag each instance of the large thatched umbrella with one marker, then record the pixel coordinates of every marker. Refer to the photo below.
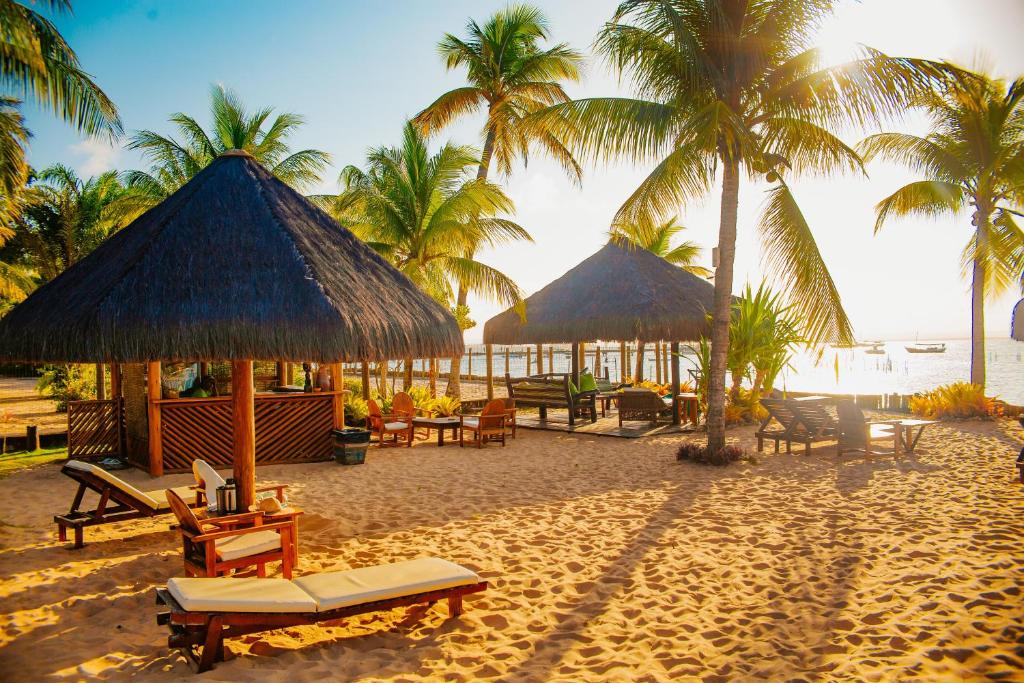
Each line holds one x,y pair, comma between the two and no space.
619,293
234,266
1017,322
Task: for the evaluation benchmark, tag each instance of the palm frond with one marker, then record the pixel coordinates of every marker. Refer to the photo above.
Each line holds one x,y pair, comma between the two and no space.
925,198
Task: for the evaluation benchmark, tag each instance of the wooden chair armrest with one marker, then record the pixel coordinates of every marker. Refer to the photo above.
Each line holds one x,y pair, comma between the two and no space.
231,520
241,531
272,487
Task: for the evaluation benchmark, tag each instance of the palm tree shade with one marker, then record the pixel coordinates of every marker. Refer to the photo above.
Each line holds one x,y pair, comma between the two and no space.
510,75
973,162
734,87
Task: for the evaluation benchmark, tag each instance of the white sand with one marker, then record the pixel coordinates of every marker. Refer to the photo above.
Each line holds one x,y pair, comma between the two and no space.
608,561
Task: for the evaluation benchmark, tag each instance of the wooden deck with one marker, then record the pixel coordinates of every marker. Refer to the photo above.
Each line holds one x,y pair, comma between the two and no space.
605,426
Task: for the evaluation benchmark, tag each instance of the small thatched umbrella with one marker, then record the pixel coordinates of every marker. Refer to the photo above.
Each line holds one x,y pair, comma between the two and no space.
619,293
1017,322
234,266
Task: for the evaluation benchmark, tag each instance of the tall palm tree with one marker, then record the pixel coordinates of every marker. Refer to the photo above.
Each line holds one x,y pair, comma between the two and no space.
657,239
735,84
424,211
36,62
511,76
68,218
973,159
175,162
13,165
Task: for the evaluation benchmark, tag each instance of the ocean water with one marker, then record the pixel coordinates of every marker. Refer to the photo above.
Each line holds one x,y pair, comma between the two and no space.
848,371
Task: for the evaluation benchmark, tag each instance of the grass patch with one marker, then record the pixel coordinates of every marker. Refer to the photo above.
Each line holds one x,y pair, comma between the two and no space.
18,460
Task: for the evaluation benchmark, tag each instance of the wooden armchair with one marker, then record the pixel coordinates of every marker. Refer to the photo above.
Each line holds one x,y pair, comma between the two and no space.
402,404
397,424
857,433
510,416
215,547
488,426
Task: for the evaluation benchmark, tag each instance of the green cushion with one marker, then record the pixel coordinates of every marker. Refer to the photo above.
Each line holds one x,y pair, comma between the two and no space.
587,382
572,389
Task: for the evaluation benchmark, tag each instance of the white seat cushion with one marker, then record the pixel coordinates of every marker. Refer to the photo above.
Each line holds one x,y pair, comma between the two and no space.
210,477
117,483
247,544
227,594
368,584
882,431
471,422
186,493
391,426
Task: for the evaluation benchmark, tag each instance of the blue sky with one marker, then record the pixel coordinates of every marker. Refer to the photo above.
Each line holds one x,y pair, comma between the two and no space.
356,71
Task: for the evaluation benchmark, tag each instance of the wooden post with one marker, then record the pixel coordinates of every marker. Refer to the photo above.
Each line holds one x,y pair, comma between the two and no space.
204,369
101,389
32,438
407,374
115,381
489,364
365,377
583,356
290,373
665,355
551,358
282,373
540,359
338,401
528,360
623,362
597,362
574,353
506,360
675,382
243,430
382,370
433,378
156,448
115,395
657,362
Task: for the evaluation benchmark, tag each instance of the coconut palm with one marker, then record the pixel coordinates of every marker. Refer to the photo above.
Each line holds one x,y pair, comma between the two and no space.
973,161
68,218
735,84
425,212
13,165
36,62
511,76
175,162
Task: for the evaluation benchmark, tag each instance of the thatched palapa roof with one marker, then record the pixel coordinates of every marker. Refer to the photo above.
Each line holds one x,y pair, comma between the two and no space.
619,293
234,265
1017,322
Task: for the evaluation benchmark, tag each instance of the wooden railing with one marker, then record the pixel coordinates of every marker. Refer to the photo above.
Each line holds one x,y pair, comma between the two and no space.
289,428
94,428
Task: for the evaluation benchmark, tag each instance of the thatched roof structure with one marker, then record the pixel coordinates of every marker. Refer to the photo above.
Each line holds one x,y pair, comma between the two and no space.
619,293
1017,322
234,265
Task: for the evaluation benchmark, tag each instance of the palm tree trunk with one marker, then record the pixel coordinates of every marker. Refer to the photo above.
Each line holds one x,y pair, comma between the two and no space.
722,304
981,219
454,379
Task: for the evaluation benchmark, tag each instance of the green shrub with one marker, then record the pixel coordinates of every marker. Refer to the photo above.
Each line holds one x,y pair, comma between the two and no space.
356,411
64,383
446,406
957,401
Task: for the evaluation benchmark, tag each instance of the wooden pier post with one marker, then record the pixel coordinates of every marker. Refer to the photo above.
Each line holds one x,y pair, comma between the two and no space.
489,365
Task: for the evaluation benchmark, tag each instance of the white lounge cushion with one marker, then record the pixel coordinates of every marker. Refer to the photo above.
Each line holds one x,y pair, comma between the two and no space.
368,584
391,426
118,483
186,493
882,432
210,477
246,545
226,594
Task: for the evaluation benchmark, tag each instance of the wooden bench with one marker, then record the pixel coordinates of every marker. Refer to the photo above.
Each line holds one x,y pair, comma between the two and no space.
551,390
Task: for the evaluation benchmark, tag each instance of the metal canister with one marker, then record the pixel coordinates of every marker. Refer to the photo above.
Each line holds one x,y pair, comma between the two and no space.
230,497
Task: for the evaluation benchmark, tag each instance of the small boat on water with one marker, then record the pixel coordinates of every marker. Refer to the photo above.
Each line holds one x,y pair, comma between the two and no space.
876,349
926,348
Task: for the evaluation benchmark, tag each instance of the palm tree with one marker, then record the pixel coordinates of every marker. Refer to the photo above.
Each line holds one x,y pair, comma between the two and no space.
512,76
973,159
13,165
423,212
68,218
657,239
174,163
36,62
735,84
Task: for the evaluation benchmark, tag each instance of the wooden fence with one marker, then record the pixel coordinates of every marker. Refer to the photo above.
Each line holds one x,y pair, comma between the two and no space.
94,429
289,428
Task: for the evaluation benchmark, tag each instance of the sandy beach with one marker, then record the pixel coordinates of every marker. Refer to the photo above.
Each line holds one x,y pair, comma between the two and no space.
608,561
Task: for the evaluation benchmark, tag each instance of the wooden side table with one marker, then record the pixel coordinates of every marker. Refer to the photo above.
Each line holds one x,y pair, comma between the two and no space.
688,404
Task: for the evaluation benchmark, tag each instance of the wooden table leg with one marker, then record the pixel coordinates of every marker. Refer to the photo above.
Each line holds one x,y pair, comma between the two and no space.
440,437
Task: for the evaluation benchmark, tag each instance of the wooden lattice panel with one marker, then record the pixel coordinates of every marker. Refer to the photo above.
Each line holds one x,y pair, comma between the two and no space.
294,428
93,429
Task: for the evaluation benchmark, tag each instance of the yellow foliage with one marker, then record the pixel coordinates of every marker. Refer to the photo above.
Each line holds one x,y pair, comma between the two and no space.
957,401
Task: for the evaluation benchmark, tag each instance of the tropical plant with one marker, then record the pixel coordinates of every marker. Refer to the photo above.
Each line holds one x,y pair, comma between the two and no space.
763,336
67,382
36,62
175,162
13,165
736,84
510,74
973,160
425,213
956,401
68,218
446,406
356,410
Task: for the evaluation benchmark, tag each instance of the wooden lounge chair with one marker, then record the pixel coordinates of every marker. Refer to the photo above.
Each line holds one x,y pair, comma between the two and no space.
642,404
398,425
858,434
781,412
219,545
208,479
814,424
119,500
201,613
489,425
